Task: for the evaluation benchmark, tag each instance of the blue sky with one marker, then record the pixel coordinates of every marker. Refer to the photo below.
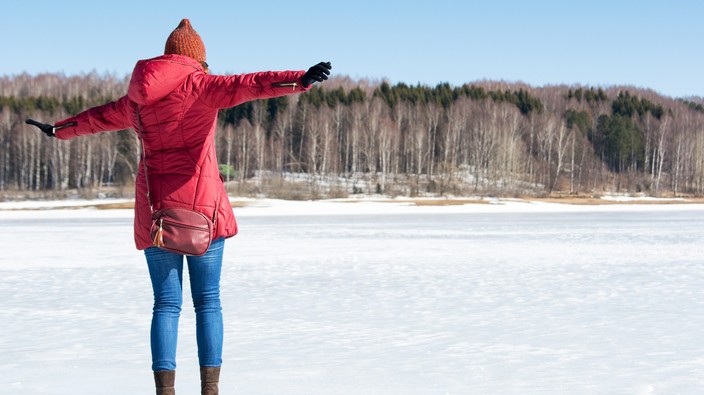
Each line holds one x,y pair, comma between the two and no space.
649,44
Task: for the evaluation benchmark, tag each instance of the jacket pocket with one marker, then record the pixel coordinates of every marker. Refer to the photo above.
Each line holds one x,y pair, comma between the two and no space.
285,84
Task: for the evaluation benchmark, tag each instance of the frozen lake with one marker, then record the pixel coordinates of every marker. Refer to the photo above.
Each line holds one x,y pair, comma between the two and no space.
585,301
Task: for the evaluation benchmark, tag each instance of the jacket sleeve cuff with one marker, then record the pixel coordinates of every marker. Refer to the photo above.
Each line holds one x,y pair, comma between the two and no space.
68,132
300,84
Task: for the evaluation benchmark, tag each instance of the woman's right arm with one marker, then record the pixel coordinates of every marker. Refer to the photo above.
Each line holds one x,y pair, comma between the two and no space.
116,115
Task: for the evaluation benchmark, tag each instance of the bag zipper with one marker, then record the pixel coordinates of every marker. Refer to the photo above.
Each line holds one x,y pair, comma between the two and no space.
158,237
162,221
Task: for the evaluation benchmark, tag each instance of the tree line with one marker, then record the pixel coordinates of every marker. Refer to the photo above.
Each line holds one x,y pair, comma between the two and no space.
487,138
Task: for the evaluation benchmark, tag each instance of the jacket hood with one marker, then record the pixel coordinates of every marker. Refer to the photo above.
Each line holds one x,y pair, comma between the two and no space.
153,79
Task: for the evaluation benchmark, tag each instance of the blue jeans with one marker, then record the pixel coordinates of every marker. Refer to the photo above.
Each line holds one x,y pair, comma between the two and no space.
166,272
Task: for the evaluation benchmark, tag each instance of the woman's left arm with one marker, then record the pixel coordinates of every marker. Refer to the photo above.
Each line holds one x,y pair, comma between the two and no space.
111,116
221,91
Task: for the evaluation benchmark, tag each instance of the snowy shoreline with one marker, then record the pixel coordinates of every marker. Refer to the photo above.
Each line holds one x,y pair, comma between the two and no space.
121,208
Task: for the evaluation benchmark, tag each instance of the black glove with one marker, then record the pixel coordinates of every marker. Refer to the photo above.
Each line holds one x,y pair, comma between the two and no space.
317,73
47,129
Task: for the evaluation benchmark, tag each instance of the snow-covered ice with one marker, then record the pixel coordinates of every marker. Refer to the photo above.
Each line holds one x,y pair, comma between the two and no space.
372,298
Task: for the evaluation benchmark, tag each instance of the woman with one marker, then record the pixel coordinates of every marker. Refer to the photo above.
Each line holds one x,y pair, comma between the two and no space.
173,103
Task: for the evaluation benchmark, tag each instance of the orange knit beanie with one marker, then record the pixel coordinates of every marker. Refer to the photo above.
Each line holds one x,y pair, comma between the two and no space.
184,40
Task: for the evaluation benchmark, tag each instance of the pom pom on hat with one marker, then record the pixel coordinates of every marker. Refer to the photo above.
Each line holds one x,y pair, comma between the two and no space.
184,40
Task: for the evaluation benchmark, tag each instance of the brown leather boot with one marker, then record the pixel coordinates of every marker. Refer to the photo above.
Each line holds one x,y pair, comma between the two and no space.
209,378
164,380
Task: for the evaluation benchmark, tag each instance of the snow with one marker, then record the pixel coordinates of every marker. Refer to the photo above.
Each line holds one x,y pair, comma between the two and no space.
340,297
53,204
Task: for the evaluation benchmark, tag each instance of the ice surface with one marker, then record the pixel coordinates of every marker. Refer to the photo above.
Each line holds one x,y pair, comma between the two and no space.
363,298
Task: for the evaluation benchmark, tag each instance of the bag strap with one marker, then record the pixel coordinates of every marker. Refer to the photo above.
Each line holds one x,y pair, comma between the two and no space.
146,175
143,155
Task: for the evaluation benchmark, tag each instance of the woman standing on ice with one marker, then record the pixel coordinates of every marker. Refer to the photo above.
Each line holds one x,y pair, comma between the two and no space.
176,102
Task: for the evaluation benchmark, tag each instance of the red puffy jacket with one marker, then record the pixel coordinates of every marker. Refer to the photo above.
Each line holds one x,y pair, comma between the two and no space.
178,106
